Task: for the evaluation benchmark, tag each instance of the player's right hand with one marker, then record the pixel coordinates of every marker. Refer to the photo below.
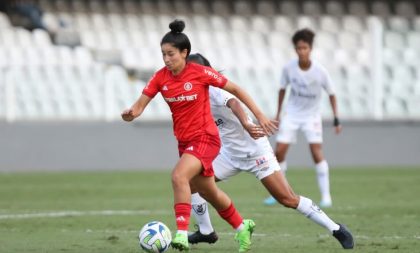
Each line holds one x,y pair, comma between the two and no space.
254,131
128,115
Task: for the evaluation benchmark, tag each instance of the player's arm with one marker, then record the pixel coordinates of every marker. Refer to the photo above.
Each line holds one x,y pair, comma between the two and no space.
282,94
236,107
136,109
333,102
268,126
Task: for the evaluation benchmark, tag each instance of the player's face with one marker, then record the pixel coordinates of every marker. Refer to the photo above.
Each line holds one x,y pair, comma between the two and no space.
303,50
174,58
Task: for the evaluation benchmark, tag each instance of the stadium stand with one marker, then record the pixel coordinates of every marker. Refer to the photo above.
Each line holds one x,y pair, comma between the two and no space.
77,68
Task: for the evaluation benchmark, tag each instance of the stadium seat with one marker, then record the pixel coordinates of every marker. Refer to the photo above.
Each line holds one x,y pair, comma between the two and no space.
266,8
399,24
394,40
306,22
358,8
284,24
261,24
411,57
413,40
353,24
335,8
405,8
330,24
349,40
312,8
381,8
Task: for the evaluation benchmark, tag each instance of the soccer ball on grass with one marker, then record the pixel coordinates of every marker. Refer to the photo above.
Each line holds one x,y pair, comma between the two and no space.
155,237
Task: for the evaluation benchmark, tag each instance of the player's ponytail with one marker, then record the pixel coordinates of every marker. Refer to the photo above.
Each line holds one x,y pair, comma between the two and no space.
176,37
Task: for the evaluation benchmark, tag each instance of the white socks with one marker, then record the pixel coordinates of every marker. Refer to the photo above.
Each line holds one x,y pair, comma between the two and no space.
283,167
201,214
322,173
313,212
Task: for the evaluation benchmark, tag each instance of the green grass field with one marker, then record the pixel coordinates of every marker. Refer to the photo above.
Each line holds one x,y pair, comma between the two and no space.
103,211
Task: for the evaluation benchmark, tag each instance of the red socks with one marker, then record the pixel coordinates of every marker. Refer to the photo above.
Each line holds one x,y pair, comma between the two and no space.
182,214
232,216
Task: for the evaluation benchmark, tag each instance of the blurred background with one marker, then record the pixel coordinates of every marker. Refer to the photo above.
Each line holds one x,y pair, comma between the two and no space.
69,67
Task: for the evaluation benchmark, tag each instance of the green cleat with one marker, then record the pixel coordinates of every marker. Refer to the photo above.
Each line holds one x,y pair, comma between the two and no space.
244,236
180,242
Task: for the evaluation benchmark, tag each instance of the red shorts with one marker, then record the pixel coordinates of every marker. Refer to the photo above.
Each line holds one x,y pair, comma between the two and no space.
206,148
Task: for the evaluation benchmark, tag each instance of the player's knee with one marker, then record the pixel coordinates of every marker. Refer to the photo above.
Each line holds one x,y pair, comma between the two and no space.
289,202
178,179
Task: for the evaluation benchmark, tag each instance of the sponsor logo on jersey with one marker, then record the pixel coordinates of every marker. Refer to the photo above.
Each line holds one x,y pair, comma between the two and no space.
214,75
181,98
261,161
187,86
218,122
304,95
165,87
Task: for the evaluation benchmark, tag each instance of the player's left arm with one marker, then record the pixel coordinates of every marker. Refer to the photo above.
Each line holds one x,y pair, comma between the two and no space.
269,126
337,124
237,109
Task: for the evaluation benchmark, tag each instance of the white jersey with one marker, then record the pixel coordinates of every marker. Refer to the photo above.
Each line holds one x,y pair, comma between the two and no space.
236,141
306,88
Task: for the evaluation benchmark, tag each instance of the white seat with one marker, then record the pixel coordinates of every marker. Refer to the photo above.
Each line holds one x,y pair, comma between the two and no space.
403,74
82,56
391,56
149,22
82,21
284,24
121,39
306,22
116,21
279,40
325,40
23,38
416,24
133,22
364,57
353,24
413,40
41,38
394,40
330,24
342,57
201,22
399,24
394,107
222,39
50,21
257,39
349,40
219,23
15,56
99,21
239,23
261,24
411,57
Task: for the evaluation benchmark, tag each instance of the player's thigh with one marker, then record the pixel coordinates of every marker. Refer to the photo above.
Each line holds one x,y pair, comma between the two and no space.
224,167
312,128
262,166
287,130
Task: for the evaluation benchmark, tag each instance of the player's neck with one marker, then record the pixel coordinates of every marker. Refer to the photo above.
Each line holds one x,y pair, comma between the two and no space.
178,70
305,64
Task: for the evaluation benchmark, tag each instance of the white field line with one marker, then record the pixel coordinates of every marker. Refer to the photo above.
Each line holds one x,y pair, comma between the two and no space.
79,213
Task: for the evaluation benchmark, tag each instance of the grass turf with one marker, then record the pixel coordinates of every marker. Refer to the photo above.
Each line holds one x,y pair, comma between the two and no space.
380,206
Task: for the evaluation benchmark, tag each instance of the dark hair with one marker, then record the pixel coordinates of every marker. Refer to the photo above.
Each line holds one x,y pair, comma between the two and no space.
200,59
305,35
176,37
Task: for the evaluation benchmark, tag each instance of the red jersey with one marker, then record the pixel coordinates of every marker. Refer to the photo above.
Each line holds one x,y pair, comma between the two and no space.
187,95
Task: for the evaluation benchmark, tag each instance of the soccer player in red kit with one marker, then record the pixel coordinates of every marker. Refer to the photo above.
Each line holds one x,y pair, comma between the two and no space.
184,86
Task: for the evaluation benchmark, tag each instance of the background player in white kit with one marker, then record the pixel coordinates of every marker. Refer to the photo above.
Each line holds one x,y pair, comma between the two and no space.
241,152
307,79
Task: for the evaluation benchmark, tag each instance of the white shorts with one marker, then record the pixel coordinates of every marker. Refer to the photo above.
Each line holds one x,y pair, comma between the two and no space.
310,126
261,166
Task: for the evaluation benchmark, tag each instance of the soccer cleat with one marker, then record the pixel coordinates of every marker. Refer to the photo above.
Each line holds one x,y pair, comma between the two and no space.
198,237
325,203
344,236
180,242
244,236
270,201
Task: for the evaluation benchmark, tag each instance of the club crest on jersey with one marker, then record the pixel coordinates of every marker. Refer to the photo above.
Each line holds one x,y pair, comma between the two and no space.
187,86
200,209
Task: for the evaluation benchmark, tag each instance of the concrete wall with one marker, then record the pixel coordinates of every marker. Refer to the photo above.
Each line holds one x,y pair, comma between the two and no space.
26,146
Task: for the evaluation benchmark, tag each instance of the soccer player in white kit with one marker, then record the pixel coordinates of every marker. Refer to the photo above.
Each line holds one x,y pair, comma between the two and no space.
245,148
306,78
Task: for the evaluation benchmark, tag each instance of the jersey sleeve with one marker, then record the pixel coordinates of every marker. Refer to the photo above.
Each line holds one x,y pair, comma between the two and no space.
152,87
284,79
328,84
219,97
212,77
